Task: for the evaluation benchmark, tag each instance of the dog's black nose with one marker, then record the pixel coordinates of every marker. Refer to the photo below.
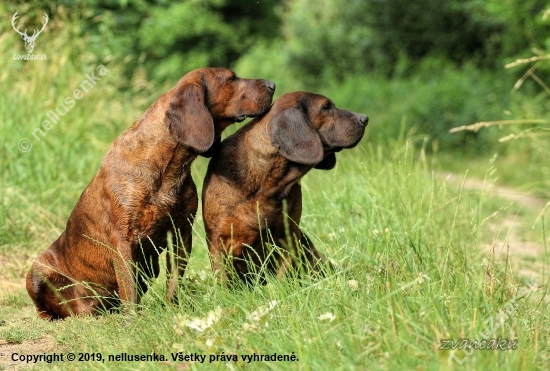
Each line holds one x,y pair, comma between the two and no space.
363,119
270,85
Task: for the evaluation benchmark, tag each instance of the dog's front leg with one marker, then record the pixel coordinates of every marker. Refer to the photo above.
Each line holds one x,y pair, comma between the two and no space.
219,262
125,269
183,214
176,261
311,257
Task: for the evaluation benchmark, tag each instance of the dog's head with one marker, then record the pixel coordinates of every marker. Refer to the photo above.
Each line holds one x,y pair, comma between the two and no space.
207,100
308,129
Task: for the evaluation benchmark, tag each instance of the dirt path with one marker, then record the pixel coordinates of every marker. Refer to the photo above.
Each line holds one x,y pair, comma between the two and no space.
43,345
521,198
505,231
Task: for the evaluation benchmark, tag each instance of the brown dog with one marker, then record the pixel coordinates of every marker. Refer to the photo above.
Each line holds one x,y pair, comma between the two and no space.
253,181
142,191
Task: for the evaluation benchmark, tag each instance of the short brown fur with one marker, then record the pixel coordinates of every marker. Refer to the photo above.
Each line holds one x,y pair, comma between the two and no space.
141,192
257,171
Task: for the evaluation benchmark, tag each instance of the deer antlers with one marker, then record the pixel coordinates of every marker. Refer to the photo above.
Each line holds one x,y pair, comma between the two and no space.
29,40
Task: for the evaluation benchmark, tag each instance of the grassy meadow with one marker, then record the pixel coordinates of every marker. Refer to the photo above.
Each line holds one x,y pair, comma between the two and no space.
420,257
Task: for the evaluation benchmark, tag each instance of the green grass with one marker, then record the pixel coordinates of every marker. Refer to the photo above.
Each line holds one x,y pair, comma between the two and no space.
408,247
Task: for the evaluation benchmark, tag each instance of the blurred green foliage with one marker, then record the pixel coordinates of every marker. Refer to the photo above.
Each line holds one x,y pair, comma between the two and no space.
342,37
323,38
183,36
166,38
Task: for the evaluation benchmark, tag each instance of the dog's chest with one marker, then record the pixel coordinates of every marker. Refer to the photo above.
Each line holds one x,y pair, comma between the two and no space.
154,195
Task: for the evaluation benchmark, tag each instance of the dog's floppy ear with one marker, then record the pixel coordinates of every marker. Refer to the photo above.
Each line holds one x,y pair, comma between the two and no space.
189,120
328,162
295,138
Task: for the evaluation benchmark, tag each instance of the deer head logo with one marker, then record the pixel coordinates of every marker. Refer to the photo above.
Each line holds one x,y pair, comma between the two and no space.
29,40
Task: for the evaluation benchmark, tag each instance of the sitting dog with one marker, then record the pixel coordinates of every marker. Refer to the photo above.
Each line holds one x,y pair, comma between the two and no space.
142,191
254,180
